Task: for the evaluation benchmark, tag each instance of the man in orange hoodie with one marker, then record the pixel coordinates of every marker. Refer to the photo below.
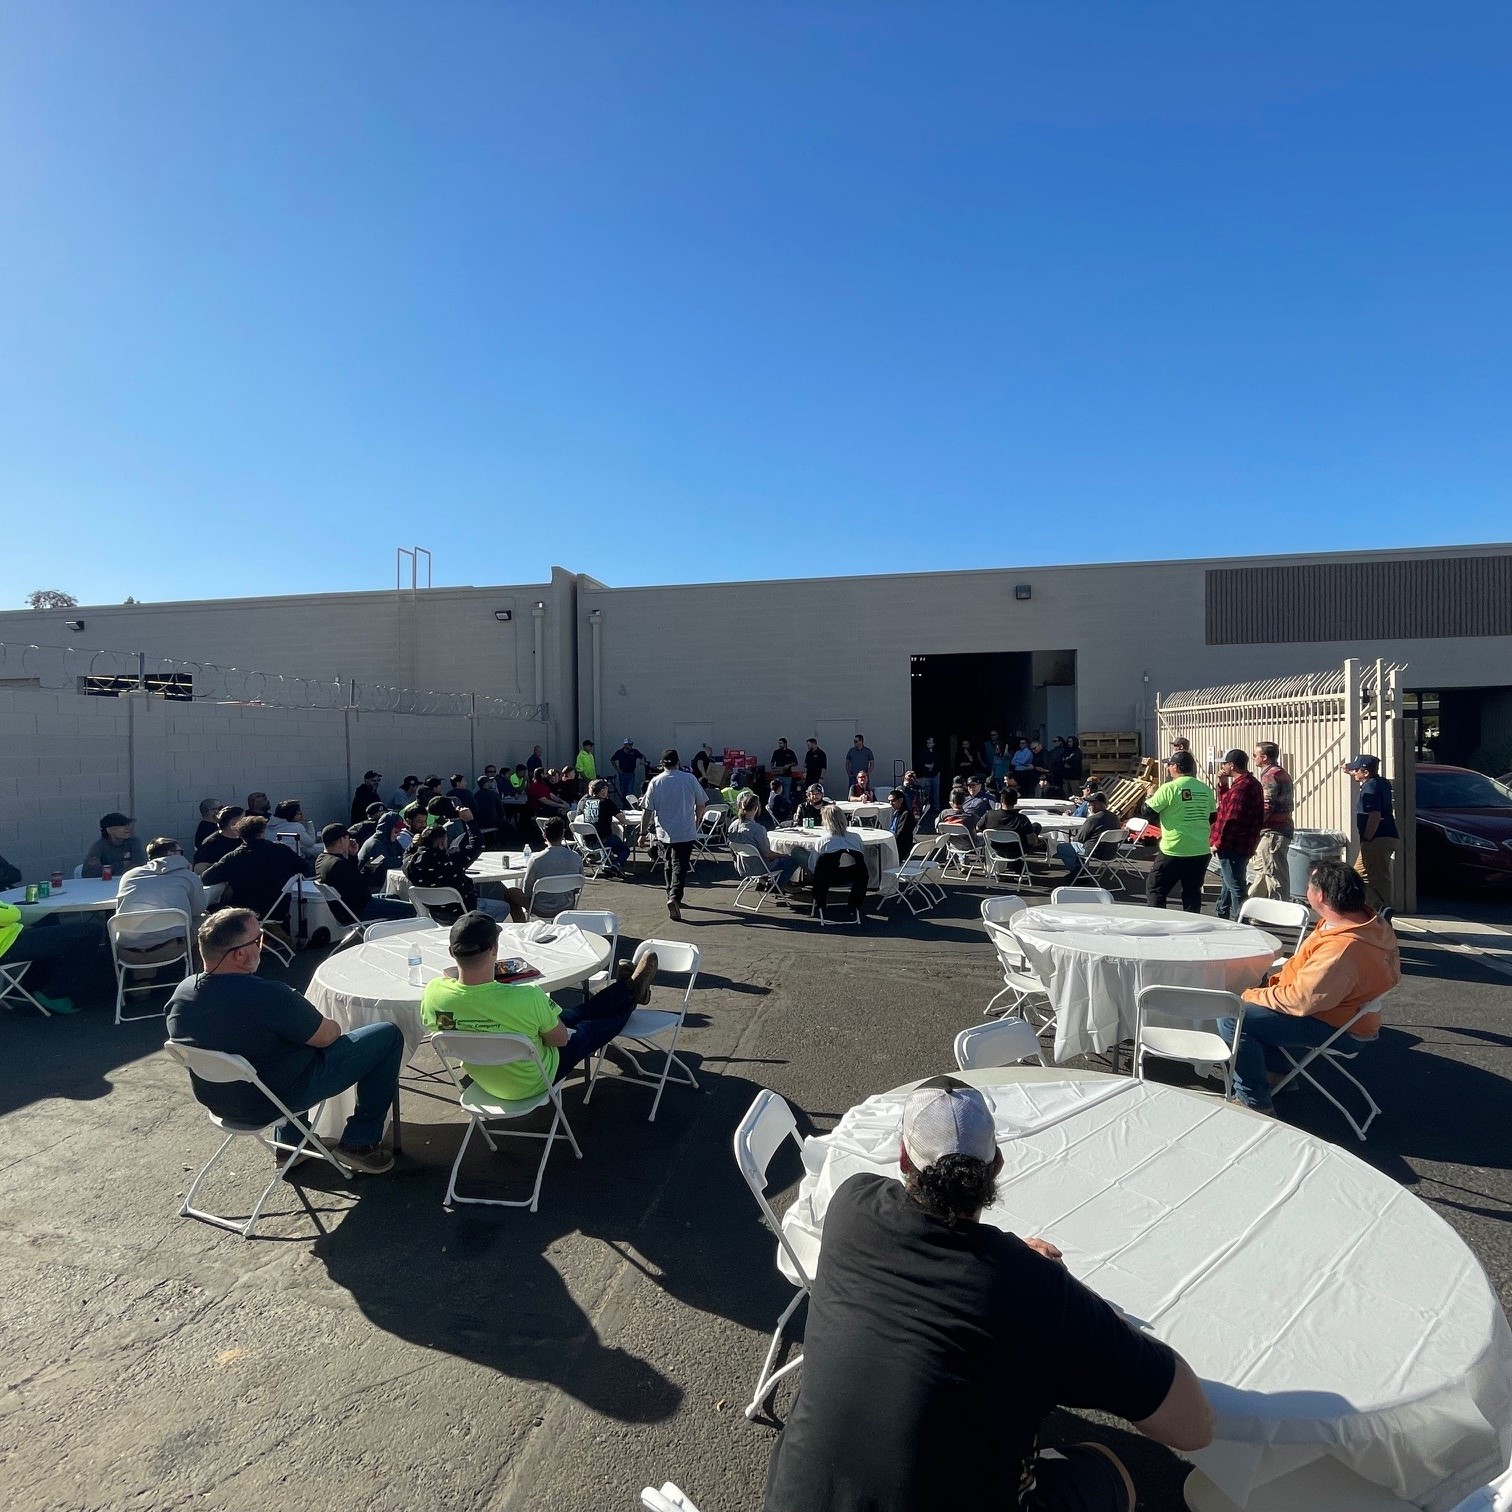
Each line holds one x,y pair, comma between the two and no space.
1350,959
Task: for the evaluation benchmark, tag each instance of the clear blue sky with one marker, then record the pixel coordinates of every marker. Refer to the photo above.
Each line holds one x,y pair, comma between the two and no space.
670,292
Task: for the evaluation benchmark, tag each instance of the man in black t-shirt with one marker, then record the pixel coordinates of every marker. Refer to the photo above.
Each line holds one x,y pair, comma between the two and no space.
256,871
299,1055
337,867
783,764
936,1344
814,763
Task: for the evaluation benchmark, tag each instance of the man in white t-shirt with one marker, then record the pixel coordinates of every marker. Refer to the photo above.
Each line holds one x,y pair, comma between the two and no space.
674,803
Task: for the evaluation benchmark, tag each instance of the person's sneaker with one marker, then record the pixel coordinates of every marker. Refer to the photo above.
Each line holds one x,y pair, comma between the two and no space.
642,978
56,1005
287,1160
372,1160
674,912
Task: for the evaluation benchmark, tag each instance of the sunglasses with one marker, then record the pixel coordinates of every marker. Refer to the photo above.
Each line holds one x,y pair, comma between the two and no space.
256,939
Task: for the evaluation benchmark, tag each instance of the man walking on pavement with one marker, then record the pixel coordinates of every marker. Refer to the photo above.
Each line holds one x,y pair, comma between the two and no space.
1375,823
1236,830
674,803
1270,874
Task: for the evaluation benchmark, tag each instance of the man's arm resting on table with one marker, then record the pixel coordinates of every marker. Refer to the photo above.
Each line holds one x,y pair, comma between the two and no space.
1184,1420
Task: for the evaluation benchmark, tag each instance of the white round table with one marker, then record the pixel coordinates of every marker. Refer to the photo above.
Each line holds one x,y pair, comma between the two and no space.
77,895
1037,806
858,808
1328,1311
880,845
1093,959
504,867
1055,827
370,984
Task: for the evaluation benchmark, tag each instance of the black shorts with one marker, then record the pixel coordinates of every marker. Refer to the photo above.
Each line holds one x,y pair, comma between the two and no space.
1080,1478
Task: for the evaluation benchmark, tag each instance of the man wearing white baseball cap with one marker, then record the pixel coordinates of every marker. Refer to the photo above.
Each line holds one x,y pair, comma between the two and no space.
936,1344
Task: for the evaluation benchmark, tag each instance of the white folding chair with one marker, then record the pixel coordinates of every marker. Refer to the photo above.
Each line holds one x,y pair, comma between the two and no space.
711,831
1496,1496
1189,1039
1004,857
1081,894
176,951
841,875
12,992
1271,913
1100,863
425,899
595,858
767,1123
960,850
216,1066
281,949
1021,984
1004,1043
1001,910
550,896
1333,1055
386,927
648,1027
757,879
598,922
916,877
668,1499
483,1108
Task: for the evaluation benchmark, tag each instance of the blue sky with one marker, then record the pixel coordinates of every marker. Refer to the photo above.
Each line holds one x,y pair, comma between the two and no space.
670,292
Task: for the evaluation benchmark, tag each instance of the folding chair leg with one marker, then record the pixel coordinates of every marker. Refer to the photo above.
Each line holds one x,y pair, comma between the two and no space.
768,1380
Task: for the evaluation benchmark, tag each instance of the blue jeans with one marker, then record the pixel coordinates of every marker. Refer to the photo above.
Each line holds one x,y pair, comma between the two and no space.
616,848
626,784
386,908
1234,887
1070,858
593,1024
367,1058
932,787
1264,1030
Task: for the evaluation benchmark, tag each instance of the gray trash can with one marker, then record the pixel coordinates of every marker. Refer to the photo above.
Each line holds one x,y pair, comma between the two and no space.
1307,846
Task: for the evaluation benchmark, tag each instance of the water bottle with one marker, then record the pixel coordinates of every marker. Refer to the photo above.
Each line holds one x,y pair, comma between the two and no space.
414,966
526,853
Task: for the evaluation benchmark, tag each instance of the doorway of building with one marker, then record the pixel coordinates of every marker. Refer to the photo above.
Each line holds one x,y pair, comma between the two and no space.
1469,727
965,695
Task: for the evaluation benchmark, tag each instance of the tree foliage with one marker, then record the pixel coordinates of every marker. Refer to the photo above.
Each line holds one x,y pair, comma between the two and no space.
51,598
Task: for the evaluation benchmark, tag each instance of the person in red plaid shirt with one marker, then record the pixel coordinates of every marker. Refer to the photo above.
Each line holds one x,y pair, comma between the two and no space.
1236,830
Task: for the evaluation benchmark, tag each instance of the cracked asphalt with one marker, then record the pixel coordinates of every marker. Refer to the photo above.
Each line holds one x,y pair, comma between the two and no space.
374,1352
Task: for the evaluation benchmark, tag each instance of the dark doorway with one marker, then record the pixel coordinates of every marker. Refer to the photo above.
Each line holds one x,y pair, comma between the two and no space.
966,695
1469,727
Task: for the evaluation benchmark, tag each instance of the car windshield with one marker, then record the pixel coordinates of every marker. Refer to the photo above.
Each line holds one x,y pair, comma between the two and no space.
1448,790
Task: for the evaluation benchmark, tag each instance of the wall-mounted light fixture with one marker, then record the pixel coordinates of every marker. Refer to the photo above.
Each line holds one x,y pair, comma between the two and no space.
77,626
1022,591
503,615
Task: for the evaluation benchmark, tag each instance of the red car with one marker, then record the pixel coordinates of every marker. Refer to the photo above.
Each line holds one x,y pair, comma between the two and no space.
1464,829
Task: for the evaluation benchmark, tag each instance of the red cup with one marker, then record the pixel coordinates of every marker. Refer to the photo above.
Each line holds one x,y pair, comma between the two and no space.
105,874
57,881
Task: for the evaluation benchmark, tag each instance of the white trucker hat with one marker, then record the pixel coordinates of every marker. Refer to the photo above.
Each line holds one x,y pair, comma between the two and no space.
944,1116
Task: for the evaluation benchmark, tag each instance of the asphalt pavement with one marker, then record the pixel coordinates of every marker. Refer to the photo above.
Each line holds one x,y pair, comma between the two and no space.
375,1352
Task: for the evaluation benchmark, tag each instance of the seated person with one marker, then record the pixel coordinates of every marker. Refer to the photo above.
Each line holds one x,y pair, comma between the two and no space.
1100,818
1006,816
260,803
487,813
955,811
914,792
1350,959
165,881
416,821
469,999
53,954
937,1344
430,862
389,841
256,872
811,810
862,790
289,820
338,867
748,829
10,876
976,805
365,827
837,835
542,795
457,822
208,809
302,1057
600,809
901,821
1080,809
779,807
459,792
118,847
406,794
518,780
558,860
223,841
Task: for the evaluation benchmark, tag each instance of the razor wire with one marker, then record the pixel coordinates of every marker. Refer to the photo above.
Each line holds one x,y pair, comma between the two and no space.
111,673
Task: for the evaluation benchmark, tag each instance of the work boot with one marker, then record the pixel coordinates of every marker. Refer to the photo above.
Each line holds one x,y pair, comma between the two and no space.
371,1160
674,910
642,978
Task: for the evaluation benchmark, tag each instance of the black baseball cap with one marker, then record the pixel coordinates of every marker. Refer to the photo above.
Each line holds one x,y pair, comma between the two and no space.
115,820
474,934
332,833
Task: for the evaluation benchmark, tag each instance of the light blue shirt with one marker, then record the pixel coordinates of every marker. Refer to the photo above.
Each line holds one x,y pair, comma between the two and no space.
673,800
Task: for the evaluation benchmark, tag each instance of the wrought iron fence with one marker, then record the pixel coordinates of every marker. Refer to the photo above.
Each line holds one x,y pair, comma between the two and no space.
111,673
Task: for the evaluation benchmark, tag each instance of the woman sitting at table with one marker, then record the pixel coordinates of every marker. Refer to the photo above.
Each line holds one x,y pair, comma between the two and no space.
837,834
430,864
901,821
862,790
118,847
748,829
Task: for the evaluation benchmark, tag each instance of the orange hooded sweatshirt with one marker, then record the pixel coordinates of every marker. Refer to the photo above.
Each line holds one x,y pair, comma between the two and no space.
1339,969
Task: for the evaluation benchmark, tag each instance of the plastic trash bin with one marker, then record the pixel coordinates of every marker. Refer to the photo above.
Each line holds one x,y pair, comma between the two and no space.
1307,846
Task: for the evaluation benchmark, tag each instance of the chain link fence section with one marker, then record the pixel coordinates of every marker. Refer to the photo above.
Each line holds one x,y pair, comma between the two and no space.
111,673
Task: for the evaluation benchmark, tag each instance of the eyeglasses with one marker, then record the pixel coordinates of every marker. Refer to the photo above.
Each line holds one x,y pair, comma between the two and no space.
256,939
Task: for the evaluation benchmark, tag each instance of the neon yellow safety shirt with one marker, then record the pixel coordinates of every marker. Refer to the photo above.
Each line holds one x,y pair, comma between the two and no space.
1185,808
491,1008
585,767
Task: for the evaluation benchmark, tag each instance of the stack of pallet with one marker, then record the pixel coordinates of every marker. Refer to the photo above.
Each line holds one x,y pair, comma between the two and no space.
1110,753
1125,794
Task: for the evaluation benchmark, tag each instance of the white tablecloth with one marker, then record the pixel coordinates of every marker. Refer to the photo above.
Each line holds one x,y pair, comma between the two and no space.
1038,806
504,867
1094,958
1328,1311
880,844
79,895
1055,827
856,808
370,984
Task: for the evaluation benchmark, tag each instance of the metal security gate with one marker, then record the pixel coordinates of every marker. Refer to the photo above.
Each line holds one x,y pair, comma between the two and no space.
1319,720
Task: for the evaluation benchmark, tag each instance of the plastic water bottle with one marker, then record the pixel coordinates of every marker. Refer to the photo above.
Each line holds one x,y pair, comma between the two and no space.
414,966
526,852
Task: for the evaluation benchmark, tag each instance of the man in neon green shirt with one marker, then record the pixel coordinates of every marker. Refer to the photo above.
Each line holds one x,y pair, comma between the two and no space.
585,766
1184,807
474,1001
